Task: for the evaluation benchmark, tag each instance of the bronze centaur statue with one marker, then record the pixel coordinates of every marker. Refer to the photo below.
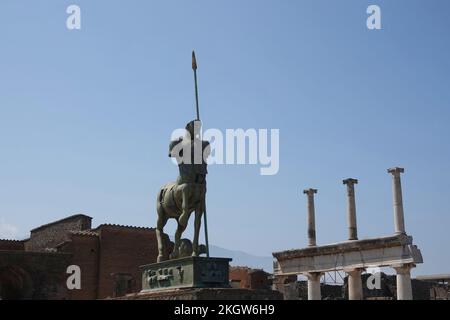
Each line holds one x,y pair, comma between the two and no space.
179,199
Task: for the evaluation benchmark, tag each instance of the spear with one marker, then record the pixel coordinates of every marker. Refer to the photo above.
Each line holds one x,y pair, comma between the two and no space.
194,67
205,221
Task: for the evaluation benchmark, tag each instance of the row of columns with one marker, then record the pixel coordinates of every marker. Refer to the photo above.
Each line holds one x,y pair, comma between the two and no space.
404,290
355,288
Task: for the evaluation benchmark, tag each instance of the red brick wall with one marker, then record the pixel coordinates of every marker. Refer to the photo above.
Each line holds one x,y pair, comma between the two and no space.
12,245
240,275
100,254
41,275
249,278
259,280
85,254
123,250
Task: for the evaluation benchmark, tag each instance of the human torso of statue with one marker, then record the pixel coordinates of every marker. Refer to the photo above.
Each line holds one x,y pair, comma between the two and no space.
191,156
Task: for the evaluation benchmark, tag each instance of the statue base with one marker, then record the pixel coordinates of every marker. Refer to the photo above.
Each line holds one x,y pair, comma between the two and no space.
188,272
205,294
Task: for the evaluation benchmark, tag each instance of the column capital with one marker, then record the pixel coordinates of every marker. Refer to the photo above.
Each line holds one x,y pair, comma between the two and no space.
354,271
314,276
350,181
395,171
310,191
403,268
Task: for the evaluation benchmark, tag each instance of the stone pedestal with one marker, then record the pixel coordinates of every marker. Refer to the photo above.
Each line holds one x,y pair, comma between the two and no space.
205,294
188,272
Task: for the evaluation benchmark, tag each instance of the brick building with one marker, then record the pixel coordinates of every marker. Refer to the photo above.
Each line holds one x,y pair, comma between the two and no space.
108,257
248,278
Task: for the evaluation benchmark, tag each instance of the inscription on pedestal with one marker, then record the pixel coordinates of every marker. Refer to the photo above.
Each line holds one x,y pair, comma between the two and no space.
189,272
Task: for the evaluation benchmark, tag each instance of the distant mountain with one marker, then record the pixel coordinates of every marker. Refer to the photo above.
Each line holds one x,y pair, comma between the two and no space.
242,258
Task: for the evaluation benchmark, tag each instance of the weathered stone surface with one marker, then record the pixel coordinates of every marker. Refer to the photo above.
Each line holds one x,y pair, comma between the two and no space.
377,252
399,218
311,216
351,215
48,236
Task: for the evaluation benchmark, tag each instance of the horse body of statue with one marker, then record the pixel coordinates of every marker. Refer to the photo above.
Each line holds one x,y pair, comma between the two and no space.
179,199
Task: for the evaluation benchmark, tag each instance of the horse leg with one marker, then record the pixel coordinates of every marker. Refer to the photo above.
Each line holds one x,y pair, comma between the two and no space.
197,225
162,220
182,224
176,246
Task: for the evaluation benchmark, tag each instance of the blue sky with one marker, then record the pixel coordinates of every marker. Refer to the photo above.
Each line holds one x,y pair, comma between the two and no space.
86,115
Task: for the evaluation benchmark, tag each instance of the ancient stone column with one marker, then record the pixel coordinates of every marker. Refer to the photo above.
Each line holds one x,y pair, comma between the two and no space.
314,286
399,218
311,217
404,289
352,229
355,290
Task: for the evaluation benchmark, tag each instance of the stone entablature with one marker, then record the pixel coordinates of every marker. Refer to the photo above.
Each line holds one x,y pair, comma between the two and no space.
376,252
